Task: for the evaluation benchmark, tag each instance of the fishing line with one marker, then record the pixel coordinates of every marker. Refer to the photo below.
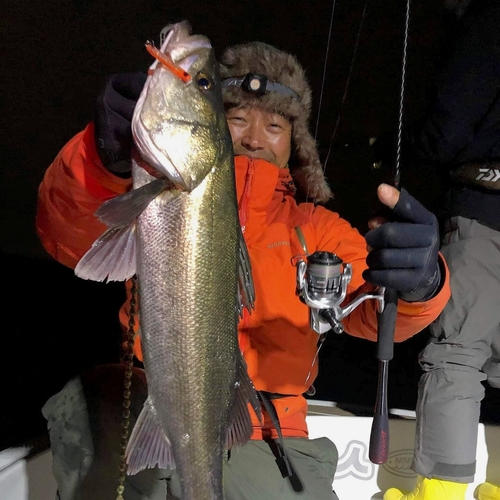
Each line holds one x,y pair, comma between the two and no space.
355,51
320,345
396,174
324,69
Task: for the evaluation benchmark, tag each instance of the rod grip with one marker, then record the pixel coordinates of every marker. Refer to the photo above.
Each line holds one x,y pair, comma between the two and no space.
386,325
379,436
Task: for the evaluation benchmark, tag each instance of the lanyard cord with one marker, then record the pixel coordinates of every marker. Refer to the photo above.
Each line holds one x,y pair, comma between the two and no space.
128,360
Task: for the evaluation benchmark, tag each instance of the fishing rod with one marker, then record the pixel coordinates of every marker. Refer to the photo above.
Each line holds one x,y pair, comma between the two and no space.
323,279
379,436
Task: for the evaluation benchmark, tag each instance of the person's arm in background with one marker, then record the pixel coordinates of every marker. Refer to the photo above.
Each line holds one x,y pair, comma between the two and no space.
466,91
92,167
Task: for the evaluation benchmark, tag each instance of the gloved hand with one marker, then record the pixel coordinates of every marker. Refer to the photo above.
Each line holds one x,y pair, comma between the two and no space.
114,108
404,254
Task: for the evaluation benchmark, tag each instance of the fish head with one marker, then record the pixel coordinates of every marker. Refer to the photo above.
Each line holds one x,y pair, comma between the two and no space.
179,125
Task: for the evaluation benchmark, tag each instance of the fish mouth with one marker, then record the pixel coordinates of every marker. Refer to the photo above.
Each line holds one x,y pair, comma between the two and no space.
182,46
182,55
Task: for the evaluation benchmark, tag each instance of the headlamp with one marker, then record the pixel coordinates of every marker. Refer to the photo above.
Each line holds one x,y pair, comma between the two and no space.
255,84
258,85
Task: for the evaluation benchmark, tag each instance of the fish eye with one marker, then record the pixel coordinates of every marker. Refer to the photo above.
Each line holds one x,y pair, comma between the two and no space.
204,82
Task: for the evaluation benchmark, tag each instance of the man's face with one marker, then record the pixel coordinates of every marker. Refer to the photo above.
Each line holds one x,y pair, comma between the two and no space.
259,134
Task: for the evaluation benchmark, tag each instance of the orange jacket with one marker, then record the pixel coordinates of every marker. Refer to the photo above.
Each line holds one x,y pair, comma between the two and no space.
277,343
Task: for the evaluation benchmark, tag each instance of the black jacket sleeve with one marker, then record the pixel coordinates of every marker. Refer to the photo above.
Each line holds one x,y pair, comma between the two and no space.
463,122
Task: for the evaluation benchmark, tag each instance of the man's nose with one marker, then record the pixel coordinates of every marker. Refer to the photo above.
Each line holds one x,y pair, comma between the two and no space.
253,138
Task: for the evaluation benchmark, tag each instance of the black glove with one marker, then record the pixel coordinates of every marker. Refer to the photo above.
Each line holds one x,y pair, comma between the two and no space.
113,114
405,253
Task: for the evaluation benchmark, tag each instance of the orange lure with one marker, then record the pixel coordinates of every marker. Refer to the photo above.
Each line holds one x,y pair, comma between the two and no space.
166,61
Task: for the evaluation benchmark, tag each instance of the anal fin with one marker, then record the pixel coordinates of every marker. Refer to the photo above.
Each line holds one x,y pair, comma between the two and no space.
148,446
240,424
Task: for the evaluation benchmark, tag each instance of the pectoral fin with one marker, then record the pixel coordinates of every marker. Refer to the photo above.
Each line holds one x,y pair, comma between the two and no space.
148,446
112,257
246,287
124,209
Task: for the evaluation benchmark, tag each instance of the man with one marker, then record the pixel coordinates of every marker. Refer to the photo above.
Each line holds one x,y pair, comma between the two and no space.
267,101
460,134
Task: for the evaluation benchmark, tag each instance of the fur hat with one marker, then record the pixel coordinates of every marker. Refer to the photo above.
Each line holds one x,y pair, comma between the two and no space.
283,73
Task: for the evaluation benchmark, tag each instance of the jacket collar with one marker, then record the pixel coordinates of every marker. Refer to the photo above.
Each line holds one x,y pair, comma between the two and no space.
261,181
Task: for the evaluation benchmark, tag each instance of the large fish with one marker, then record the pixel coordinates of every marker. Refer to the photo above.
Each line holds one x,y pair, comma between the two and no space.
178,230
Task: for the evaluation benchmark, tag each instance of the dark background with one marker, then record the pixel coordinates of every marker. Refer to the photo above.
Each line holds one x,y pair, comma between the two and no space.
55,57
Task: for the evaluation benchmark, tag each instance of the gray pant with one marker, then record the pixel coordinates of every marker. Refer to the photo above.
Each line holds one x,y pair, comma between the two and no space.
463,352
84,422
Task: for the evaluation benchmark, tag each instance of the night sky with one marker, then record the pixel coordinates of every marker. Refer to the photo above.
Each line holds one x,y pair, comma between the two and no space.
55,57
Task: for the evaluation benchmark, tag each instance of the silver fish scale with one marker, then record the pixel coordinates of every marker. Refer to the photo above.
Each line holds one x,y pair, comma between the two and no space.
187,271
